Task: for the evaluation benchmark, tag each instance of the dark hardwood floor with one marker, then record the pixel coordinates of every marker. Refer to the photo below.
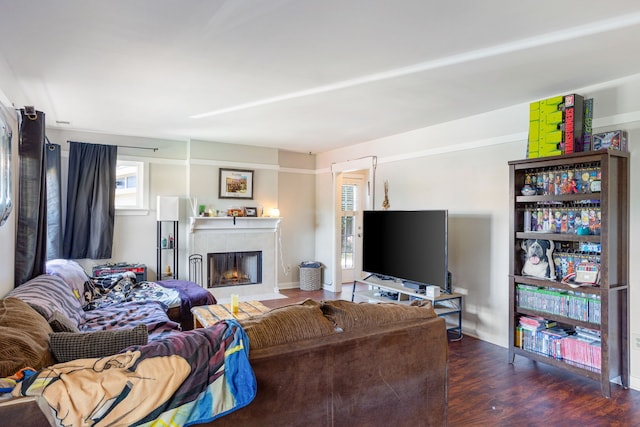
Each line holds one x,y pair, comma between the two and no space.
486,390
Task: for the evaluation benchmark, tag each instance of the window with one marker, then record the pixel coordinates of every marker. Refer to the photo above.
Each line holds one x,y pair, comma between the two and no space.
348,208
131,185
5,172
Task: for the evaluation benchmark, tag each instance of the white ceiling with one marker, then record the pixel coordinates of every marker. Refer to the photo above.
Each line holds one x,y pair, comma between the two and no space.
302,75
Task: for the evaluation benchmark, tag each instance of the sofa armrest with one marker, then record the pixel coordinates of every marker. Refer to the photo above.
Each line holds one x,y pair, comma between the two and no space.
25,412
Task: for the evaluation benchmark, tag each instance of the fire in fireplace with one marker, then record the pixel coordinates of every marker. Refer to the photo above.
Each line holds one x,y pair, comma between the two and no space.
234,268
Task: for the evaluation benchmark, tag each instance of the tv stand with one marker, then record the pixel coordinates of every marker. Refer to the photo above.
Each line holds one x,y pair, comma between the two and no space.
448,306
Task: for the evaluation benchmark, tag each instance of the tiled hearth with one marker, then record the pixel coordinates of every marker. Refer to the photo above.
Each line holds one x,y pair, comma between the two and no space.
241,234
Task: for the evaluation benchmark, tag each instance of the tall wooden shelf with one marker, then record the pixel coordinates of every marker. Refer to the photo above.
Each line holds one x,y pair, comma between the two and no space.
613,201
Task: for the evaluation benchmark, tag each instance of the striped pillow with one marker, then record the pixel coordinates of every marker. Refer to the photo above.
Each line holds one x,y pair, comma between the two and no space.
48,294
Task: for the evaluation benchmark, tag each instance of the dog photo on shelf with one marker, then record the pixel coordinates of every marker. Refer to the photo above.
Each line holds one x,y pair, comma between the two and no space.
538,256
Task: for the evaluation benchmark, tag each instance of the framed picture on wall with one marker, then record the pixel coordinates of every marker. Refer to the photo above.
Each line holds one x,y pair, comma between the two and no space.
236,184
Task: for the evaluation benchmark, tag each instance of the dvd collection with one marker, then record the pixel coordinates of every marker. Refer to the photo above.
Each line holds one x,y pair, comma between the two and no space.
580,346
571,304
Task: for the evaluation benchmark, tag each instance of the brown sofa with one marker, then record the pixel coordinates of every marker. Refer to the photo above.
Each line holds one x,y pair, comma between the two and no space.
335,363
388,367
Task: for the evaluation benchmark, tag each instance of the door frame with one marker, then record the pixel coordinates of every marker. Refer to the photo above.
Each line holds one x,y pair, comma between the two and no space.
367,164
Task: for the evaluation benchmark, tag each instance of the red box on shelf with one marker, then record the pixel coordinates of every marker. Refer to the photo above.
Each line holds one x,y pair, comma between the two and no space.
140,270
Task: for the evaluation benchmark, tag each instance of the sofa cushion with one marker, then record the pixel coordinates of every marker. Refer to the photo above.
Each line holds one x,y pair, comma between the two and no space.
50,293
59,323
24,338
287,324
348,315
72,274
68,346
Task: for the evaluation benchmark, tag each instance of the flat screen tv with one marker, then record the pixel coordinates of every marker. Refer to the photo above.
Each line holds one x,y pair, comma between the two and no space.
407,245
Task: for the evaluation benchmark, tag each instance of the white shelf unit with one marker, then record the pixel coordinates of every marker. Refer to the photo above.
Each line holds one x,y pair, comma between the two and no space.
448,306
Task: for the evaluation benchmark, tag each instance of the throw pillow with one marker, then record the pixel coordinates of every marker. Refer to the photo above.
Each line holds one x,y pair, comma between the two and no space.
50,293
59,323
72,274
287,324
24,338
68,346
348,315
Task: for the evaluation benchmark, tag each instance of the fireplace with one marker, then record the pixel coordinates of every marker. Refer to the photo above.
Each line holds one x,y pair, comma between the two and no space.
234,268
214,235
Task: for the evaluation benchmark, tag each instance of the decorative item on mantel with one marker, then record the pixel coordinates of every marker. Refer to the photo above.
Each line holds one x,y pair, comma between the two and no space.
235,212
274,213
250,211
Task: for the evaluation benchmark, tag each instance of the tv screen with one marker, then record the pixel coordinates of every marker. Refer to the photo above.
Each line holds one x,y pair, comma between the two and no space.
406,245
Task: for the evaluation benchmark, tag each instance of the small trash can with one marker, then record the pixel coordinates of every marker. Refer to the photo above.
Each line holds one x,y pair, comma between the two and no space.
310,276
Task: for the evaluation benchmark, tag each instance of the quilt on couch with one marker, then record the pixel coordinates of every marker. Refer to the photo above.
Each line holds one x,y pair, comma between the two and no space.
187,378
129,315
48,294
122,287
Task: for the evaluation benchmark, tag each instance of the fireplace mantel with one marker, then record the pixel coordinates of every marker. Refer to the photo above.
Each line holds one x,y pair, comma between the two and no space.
234,223
240,234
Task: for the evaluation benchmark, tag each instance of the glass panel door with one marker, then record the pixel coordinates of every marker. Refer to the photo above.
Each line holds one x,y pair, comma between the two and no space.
350,228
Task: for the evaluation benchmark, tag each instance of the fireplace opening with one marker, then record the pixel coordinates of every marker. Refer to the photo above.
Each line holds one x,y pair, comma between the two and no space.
234,268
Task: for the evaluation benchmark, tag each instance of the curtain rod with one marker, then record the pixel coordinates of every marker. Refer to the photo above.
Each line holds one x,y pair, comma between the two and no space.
123,146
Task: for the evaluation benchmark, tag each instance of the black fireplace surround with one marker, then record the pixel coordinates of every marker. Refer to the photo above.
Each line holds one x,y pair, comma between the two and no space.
234,269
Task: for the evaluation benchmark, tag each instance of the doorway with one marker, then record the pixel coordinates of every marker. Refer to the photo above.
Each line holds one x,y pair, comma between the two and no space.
353,193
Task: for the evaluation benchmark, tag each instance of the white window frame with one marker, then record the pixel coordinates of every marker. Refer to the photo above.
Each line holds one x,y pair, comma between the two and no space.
142,204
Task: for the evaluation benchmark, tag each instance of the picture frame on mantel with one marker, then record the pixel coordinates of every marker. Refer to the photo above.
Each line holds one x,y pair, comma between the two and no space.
236,184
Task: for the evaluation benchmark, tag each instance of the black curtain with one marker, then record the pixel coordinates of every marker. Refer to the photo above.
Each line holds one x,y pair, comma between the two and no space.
90,201
30,251
54,201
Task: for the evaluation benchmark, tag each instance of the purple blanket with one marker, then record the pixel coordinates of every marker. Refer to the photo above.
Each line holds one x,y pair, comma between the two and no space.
129,315
191,295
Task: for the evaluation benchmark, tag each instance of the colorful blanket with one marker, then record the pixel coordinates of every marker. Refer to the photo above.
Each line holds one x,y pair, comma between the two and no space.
187,378
122,287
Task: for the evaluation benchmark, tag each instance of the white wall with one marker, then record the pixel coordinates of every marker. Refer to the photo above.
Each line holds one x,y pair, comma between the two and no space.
438,168
296,201
282,179
184,169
